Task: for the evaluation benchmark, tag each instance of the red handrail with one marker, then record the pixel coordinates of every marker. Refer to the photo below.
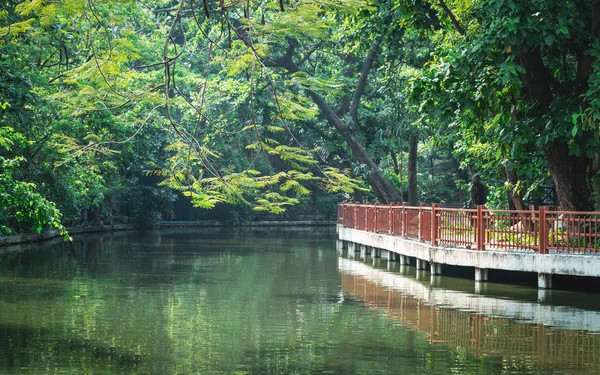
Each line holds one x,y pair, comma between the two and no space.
538,230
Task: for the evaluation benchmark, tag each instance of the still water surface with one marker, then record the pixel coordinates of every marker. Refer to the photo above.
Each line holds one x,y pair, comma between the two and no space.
270,302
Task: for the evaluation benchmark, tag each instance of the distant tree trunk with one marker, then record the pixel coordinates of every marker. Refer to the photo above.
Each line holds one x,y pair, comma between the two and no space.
93,215
596,180
394,158
398,171
344,160
413,196
461,175
478,193
515,198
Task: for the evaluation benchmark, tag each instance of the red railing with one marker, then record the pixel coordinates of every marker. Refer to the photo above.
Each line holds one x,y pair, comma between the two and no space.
479,229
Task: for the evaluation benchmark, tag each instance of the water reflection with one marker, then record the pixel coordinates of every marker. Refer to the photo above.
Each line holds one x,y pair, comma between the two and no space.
546,337
215,302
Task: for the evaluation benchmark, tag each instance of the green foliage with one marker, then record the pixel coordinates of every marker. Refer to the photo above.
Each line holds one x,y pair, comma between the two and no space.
19,200
111,98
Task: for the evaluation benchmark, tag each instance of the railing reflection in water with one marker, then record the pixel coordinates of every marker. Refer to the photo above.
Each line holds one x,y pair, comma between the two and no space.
542,346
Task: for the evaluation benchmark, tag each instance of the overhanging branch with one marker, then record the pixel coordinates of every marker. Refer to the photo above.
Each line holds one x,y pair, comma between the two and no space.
360,86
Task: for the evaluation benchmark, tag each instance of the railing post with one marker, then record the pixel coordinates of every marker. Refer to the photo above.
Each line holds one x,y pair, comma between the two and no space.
543,231
390,219
420,222
375,229
345,215
434,224
480,228
355,215
404,221
366,218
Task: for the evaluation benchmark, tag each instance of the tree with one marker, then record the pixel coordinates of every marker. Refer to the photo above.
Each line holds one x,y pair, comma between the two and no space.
519,77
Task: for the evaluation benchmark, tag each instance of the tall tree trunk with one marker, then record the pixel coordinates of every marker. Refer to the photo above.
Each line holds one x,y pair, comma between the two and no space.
394,158
413,196
596,180
568,171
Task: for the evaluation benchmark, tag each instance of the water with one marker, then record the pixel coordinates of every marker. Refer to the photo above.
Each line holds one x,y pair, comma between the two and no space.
270,302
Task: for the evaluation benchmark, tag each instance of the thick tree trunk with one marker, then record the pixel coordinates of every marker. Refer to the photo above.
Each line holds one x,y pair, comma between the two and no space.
413,196
568,171
569,176
596,180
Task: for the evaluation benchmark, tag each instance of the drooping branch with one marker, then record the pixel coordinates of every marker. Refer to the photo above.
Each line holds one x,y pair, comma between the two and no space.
455,22
360,86
383,189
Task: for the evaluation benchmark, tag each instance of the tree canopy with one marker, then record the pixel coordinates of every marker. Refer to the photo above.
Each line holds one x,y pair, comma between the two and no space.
112,108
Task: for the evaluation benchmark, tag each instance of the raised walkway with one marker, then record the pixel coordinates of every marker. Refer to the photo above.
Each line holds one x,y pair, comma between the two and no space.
544,242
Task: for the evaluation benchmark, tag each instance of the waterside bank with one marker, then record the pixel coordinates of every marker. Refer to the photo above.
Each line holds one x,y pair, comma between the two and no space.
52,234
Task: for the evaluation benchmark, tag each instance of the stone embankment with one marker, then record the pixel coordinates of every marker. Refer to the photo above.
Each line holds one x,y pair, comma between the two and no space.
52,234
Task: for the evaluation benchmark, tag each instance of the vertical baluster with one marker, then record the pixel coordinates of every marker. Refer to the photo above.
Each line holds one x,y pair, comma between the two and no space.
434,225
391,218
376,224
404,220
479,227
543,232
420,227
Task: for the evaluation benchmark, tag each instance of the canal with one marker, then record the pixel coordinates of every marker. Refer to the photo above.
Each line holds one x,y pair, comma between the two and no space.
271,302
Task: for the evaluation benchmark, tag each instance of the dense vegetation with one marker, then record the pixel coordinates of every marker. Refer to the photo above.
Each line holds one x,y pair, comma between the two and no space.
113,109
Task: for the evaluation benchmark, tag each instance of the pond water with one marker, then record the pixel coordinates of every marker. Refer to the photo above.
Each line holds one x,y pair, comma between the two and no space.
270,302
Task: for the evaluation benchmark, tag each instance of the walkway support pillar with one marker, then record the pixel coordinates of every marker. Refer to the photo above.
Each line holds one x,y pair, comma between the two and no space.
421,264
393,257
436,269
435,280
545,280
340,246
404,260
376,253
481,274
480,288
364,251
543,295
352,247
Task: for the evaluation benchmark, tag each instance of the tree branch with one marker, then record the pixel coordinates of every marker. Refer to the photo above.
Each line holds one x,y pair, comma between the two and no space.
360,86
457,25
